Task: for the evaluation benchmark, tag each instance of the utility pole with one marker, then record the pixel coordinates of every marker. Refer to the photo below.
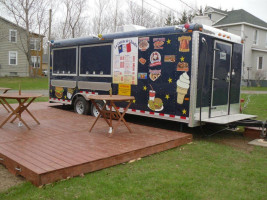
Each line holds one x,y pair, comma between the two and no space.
48,47
142,19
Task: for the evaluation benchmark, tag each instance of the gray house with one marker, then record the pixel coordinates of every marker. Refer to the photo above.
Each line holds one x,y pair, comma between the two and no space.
254,33
13,43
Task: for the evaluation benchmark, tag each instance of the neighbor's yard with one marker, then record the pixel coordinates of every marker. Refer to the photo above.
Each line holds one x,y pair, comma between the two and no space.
38,83
257,105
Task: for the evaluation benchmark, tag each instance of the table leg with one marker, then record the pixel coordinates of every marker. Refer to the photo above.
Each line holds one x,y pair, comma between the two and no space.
110,119
14,112
100,113
4,106
21,107
121,116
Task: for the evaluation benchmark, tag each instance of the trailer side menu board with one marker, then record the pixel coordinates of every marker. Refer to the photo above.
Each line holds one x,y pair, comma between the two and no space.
125,61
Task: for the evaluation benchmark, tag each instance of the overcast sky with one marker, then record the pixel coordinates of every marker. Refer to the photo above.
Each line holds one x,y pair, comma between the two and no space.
255,7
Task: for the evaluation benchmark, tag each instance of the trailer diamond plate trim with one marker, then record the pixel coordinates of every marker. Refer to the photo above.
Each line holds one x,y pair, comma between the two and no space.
228,118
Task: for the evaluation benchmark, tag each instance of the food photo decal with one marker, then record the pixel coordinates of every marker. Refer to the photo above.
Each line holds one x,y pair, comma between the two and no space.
154,103
59,92
70,92
143,43
154,74
155,59
158,43
183,84
184,43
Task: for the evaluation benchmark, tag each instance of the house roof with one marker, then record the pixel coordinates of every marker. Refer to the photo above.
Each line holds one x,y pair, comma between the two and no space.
216,10
13,24
239,16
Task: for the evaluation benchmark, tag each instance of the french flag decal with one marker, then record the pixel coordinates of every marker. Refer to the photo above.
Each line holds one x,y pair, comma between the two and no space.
125,48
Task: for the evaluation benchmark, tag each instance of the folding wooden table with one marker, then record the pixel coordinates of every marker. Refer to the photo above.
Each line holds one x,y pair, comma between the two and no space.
23,106
4,91
110,100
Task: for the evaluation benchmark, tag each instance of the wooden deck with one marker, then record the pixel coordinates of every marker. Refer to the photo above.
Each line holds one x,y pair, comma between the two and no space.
62,147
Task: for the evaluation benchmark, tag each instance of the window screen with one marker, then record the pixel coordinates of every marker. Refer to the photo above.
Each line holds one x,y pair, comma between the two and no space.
96,60
64,61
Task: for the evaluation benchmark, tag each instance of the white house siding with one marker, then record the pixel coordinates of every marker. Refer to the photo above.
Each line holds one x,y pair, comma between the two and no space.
252,55
5,46
214,16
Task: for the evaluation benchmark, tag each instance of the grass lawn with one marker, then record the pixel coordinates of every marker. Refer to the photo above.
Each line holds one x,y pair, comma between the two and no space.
40,83
202,170
40,99
256,106
254,88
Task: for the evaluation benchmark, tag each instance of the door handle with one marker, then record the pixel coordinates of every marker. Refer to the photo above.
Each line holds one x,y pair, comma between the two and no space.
215,79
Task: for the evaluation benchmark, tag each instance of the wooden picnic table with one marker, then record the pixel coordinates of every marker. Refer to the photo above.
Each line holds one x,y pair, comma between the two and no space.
4,91
23,106
109,113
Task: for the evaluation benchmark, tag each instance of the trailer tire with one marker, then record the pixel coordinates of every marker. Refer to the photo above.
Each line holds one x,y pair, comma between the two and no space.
94,111
81,106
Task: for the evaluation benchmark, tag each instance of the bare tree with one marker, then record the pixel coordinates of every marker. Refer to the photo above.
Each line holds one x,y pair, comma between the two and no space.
72,23
136,15
101,21
24,14
259,76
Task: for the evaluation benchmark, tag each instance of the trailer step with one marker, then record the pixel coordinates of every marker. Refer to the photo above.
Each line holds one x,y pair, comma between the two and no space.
228,118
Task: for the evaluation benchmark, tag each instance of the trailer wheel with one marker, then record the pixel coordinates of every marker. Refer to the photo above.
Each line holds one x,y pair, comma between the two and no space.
81,106
94,111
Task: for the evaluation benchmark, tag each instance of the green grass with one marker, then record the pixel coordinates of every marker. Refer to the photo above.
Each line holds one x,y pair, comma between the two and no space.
256,106
202,170
254,88
40,83
40,99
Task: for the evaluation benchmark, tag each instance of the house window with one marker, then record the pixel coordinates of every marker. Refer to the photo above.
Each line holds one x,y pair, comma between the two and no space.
35,44
13,57
255,37
35,61
13,35
260,61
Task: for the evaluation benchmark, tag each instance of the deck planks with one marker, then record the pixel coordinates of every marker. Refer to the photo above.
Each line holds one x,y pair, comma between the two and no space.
62,147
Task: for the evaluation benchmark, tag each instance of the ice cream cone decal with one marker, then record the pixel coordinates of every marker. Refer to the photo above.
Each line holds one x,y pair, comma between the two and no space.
183,84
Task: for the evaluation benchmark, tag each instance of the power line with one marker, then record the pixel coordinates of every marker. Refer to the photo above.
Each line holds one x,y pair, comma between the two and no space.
188,5
145,8
166,6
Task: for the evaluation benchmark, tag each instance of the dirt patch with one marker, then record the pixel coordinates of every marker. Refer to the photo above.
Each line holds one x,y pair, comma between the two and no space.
8,180
235,140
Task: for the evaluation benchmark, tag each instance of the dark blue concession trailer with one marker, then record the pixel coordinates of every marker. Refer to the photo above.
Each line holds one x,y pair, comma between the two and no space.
188,73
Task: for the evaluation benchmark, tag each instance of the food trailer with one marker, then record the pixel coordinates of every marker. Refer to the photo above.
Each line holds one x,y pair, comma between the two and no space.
186,73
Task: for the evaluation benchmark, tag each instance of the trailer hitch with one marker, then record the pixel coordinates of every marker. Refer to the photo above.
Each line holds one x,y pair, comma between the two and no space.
252,123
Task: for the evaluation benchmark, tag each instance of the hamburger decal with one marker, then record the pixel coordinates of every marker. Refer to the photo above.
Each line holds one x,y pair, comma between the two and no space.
154,103
59,92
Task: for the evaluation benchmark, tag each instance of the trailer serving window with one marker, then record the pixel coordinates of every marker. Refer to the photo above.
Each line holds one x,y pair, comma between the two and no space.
95,60
65,61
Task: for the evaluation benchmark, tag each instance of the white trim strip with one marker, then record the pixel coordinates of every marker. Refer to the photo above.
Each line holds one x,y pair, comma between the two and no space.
142,112
90,93
60,100
255,49
240,23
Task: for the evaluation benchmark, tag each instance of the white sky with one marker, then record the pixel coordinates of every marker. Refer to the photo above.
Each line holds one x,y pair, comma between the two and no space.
255,7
